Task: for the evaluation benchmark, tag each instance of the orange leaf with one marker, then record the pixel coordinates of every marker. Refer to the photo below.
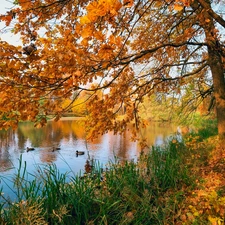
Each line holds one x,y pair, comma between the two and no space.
87,32
128,3
6,18
25,4
178,7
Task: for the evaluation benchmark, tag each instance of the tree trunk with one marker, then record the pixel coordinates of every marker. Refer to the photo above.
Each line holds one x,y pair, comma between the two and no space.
215,52
215,63
216,66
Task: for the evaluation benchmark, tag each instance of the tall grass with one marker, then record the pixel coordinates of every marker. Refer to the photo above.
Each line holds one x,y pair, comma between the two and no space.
166,165
126,193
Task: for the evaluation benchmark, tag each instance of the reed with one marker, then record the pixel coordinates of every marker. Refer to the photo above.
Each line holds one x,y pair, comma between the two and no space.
126,193
166,165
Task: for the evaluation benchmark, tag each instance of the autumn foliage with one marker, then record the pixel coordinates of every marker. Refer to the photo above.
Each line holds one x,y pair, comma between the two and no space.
130,48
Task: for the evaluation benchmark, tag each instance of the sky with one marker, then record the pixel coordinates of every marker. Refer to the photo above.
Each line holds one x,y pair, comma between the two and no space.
5,5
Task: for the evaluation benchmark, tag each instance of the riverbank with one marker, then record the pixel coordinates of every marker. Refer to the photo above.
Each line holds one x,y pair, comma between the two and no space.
205,201
180,183
69,118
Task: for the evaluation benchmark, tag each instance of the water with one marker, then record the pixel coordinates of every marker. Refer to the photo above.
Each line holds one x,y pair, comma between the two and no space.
69,135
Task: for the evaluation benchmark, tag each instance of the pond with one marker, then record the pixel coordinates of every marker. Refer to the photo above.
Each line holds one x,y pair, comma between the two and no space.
69,135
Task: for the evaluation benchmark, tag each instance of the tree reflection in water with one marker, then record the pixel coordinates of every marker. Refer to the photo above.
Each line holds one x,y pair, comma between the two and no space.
70,136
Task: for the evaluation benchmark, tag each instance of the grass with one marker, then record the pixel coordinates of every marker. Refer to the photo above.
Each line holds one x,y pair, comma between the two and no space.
162,187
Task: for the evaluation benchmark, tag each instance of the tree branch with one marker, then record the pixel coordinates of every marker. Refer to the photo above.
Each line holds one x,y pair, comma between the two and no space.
214,15
134,57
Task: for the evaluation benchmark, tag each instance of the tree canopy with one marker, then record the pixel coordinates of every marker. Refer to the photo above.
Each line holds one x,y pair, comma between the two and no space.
130,49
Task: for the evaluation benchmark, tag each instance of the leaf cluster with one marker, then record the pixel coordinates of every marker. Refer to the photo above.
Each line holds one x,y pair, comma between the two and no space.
131,49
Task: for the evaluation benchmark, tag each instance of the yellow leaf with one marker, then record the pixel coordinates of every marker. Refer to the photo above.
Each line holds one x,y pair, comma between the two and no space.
220,221
222,200
196,214
84,20
213,195
212,220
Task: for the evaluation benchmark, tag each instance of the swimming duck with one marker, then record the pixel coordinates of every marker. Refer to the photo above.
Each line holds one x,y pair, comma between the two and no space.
56,149
30,149
79,153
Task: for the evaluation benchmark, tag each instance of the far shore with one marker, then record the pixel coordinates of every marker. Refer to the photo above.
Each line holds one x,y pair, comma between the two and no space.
68,118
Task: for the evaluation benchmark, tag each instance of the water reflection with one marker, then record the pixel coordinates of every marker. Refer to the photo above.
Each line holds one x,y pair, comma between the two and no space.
69,135
7,140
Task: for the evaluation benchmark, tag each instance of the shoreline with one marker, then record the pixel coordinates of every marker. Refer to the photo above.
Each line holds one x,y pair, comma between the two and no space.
68,118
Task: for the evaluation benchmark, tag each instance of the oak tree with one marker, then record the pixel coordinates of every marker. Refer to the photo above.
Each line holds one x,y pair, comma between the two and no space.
130,48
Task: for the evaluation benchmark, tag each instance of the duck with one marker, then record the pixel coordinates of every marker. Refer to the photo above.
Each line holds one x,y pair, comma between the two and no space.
56,149
80,153
88,167
30,149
